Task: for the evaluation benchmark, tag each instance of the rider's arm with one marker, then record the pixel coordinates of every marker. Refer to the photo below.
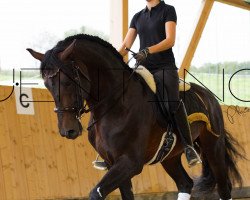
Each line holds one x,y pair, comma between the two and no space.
170,29
128,41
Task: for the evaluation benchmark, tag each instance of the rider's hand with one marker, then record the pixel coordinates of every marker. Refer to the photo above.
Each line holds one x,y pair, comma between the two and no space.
142,55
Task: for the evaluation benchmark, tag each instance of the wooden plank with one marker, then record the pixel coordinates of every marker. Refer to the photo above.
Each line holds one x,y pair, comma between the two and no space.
20,187
205,10
29,155
35,166
243,140
40,156
48,148
3,150
8,163
61,161
237,3
94,175
2,183
80,147
72,179
137,183
124,18
239,130
146,183
245,169
80,161
7,157
125,22
161,175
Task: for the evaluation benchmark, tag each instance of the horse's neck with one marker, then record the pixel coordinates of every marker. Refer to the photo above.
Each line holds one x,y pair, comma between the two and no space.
105,71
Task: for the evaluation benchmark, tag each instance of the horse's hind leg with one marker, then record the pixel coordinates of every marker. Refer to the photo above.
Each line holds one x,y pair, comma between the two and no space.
215,163
126,190
184,183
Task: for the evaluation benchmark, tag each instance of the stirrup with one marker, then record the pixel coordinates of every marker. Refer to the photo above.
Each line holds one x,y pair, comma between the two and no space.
100,165
192,156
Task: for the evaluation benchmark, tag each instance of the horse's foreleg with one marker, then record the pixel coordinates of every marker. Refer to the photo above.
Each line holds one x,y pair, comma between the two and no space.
126,190
122,170
183,182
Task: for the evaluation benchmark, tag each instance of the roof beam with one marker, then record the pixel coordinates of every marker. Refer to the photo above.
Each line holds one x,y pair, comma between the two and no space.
236,3
205,10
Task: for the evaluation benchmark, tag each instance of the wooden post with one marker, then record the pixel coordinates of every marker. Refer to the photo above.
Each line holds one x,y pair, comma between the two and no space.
125,22
119,21
236,3
124,18
206,7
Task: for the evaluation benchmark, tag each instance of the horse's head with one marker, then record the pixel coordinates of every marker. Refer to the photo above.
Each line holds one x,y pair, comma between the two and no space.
68,85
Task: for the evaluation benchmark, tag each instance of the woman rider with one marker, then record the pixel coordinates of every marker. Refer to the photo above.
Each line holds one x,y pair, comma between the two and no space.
156,27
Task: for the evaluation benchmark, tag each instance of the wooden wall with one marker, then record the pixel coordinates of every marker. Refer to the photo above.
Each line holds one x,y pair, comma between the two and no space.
37,163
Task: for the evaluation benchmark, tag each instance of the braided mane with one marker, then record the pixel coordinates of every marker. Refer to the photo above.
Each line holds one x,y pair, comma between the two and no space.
96,39
51,55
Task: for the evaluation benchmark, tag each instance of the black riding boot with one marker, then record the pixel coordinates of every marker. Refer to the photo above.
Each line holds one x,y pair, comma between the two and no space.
182,125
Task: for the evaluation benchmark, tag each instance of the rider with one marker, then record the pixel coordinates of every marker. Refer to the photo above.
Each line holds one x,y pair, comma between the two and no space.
156,27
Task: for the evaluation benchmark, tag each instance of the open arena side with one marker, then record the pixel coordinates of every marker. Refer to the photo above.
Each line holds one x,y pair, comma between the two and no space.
37,163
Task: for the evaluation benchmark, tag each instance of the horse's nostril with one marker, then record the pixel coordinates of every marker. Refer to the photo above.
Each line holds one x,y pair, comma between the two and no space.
71,134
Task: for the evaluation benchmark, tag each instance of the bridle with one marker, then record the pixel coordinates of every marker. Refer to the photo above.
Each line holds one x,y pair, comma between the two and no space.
80,108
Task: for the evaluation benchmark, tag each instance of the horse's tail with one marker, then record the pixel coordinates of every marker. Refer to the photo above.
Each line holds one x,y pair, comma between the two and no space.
231,151
206,183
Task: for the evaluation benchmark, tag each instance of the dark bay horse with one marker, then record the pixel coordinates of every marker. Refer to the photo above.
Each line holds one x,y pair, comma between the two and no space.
123,126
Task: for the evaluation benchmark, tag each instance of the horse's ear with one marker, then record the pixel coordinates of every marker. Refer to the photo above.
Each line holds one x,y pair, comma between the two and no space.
36,55
66,53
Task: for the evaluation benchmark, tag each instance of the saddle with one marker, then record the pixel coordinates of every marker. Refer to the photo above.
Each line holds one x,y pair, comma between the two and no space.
163,115
168,139
161,96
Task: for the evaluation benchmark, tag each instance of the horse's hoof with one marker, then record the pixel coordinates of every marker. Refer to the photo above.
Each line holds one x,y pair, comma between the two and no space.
95,194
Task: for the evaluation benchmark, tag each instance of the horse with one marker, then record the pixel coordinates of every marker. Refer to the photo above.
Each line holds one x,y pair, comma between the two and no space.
85,74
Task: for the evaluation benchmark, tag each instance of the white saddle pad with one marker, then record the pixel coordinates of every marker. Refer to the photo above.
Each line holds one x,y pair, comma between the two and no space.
149,79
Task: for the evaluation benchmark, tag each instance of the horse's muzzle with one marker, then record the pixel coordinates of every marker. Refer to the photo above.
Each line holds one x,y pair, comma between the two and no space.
72,134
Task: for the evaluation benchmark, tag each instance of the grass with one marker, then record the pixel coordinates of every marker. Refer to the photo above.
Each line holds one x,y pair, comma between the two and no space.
238,87
233,92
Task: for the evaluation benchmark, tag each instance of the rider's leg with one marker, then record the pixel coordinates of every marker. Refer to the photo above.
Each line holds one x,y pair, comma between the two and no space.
177,109
180,119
